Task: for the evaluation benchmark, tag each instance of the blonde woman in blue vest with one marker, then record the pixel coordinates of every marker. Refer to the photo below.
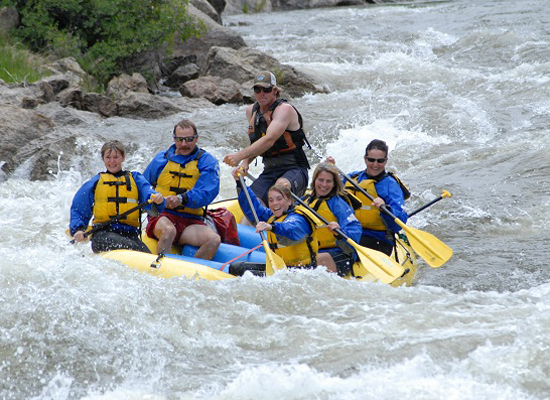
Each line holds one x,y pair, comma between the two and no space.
328,198
109,194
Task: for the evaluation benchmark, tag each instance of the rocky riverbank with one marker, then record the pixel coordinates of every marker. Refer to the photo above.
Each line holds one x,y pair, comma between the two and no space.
208,71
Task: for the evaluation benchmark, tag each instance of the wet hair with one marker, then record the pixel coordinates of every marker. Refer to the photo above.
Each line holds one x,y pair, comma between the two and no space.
185,124
282,189
338,187
377,144
112,146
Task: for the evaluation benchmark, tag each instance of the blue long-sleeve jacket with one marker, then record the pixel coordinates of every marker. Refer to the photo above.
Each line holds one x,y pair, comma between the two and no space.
345,216
295,226
389,190
207,186
83,203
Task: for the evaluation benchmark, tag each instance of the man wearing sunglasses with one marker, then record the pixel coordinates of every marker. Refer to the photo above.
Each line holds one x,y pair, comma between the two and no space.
275,130
386,189
189,179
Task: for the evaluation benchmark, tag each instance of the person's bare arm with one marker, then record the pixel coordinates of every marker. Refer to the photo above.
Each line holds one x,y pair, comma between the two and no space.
282,118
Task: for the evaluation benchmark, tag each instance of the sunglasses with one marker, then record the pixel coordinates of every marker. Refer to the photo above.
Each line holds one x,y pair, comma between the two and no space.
259,89
378,160
187,139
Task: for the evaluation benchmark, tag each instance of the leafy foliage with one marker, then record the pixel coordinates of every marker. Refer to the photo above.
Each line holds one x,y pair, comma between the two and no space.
103,34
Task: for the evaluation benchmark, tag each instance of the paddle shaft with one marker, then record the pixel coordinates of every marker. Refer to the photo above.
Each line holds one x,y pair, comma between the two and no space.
245,190
105,224
431,203
273,261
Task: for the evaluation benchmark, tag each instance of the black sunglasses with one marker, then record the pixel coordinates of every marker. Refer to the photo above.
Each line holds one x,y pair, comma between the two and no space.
187,139
259,89
378,160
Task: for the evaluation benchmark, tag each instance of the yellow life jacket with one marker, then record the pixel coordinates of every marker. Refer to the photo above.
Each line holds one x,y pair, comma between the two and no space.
324,236
295,253
114,196
368,215
178,178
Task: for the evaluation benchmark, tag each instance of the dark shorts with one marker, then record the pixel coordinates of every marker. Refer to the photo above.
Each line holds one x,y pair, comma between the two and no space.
298,178
376,244
344,262
179,222
106,240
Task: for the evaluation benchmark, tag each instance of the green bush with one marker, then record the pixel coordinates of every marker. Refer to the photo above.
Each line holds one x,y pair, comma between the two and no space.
103,34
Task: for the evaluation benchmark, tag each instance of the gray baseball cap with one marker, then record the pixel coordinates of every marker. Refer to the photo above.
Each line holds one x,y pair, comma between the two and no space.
265,79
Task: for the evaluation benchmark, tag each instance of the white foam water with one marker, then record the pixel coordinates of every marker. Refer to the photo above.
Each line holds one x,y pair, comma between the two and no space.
459,90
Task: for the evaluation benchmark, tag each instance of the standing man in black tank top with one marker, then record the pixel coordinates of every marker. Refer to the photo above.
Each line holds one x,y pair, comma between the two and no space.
275,130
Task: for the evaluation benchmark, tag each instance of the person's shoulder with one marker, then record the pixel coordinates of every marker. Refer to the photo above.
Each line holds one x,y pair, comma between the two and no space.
337,199
355,174
137,175
205,156
389,179
161,156
93,179
282,104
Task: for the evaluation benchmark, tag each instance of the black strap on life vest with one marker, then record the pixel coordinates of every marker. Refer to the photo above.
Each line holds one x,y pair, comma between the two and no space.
378,178
177,189
260,124
117,199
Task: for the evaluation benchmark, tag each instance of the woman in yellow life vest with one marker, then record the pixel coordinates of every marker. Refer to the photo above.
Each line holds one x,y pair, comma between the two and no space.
290,230
328,198
109,194
386,189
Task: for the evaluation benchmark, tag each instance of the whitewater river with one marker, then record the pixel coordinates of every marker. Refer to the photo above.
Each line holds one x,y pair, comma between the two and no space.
460,90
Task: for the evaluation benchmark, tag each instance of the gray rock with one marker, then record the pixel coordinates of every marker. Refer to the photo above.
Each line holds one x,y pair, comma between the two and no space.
213,88
219,5
42,142
99,104
208,9
121,85
145,106
216,35
255,6
66,116
183,74
48,93
57,83
71,97
175,62
31,102
241,65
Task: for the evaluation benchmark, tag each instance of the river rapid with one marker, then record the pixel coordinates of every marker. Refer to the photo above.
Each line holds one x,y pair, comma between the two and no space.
460,90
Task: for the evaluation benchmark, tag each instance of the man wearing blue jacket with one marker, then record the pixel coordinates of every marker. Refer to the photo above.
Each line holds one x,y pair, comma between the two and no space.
189,179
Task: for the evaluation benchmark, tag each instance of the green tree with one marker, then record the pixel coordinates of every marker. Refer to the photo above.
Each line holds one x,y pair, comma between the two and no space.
103,34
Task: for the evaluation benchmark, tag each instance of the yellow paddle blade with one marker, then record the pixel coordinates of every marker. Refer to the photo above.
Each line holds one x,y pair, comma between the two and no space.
273,261
431,249
384,268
